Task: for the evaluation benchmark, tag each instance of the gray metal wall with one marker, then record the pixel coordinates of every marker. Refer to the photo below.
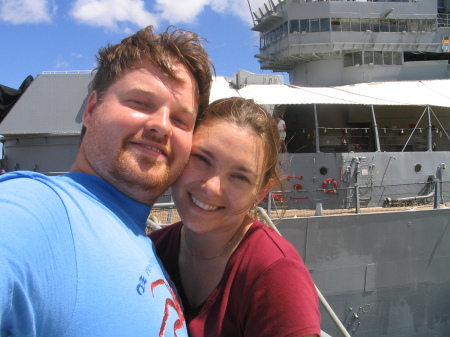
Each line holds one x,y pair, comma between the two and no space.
390,269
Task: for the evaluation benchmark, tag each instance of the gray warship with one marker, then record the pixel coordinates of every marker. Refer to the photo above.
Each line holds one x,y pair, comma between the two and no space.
368,123
367,116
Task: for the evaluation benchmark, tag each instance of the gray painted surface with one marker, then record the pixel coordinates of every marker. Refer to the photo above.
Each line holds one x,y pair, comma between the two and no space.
390,269
52,104
316,58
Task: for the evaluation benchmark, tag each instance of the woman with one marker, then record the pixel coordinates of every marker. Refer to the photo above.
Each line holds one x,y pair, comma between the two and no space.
235,275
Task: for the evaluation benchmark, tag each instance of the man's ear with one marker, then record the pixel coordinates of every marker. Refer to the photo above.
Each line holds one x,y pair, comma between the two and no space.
89,109
264,190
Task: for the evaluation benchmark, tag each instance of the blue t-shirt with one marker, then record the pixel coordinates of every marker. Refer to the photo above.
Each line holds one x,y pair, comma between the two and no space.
75,261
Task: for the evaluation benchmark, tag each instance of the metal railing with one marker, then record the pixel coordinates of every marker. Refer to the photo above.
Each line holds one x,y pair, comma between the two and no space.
357,199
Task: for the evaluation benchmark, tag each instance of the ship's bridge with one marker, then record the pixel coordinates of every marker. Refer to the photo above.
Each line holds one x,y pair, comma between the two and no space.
324,42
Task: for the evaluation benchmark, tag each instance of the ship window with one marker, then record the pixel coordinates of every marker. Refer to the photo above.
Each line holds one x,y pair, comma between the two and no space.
325,25
384,25
413,25
293,26
304,25
368,57
285,28
355,25
431,25
348,60
378,57
365,24
336,24
315,27
387,57
393,27
278,32
323,170
417,168
422,25
357,58
375,24
397,58
402,25
345,24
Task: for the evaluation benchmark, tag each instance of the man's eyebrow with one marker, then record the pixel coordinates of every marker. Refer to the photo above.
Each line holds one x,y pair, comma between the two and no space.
140,89
150,91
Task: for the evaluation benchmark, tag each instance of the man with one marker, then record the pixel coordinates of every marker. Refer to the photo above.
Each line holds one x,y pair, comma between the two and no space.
74,257
282,132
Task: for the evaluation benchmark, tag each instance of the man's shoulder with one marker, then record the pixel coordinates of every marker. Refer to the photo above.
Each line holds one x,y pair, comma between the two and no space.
165,233
24,183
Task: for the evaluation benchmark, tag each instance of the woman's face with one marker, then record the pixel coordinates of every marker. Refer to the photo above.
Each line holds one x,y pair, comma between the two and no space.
222,180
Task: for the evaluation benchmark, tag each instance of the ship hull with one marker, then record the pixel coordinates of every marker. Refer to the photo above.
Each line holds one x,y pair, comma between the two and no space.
383,274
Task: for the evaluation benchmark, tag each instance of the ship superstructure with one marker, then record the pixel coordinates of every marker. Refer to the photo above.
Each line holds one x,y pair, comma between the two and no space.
329,43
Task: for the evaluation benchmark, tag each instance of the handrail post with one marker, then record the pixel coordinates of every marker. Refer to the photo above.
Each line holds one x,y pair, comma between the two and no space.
430,131
269,203
437,194
375,129
317,129
358,203
357,200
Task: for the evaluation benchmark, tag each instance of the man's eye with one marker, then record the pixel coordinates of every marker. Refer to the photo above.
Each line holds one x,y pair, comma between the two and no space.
179,121
137,102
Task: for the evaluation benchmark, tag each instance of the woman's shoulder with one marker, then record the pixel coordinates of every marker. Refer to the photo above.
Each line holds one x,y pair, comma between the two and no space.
265,247
270,239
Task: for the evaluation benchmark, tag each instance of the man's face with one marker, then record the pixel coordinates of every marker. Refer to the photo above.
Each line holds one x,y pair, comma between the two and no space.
139,135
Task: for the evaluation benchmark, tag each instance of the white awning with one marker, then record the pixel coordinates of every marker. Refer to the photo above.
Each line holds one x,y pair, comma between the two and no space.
221,89
433,92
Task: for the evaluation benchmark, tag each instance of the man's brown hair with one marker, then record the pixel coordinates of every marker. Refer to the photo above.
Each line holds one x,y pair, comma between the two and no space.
163,50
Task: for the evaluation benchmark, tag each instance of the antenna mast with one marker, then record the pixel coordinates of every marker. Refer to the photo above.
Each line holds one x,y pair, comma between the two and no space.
251,12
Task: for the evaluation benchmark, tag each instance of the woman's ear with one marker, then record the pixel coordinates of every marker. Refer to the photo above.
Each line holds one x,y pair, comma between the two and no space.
264,190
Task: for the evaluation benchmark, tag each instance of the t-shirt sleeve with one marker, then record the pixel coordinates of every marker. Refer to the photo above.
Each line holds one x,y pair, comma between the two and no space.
283,302
35,245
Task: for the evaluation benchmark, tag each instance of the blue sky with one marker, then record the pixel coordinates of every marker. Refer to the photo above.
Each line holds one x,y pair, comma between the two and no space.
64,35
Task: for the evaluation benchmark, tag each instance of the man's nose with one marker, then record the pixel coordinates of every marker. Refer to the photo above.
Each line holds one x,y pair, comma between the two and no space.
159,122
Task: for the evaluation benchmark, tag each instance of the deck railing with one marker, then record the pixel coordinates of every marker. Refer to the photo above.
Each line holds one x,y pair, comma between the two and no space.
355,199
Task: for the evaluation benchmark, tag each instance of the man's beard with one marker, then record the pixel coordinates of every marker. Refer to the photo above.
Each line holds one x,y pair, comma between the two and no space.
146,175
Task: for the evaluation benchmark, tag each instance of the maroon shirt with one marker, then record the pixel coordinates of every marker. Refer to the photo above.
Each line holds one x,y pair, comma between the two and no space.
265,290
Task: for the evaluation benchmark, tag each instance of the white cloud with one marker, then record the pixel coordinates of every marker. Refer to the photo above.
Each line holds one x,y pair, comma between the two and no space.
255,5
114,13
27,11
60,63
111,13
186,11
176,11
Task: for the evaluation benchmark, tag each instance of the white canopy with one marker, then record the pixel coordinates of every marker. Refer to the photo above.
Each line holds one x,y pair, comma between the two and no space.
433,92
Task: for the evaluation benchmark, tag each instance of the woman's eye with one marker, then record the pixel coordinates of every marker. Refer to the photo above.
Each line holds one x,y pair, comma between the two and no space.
241,177
201,158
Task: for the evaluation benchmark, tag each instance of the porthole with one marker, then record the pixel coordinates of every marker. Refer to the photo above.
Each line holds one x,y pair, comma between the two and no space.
323,170
417,168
